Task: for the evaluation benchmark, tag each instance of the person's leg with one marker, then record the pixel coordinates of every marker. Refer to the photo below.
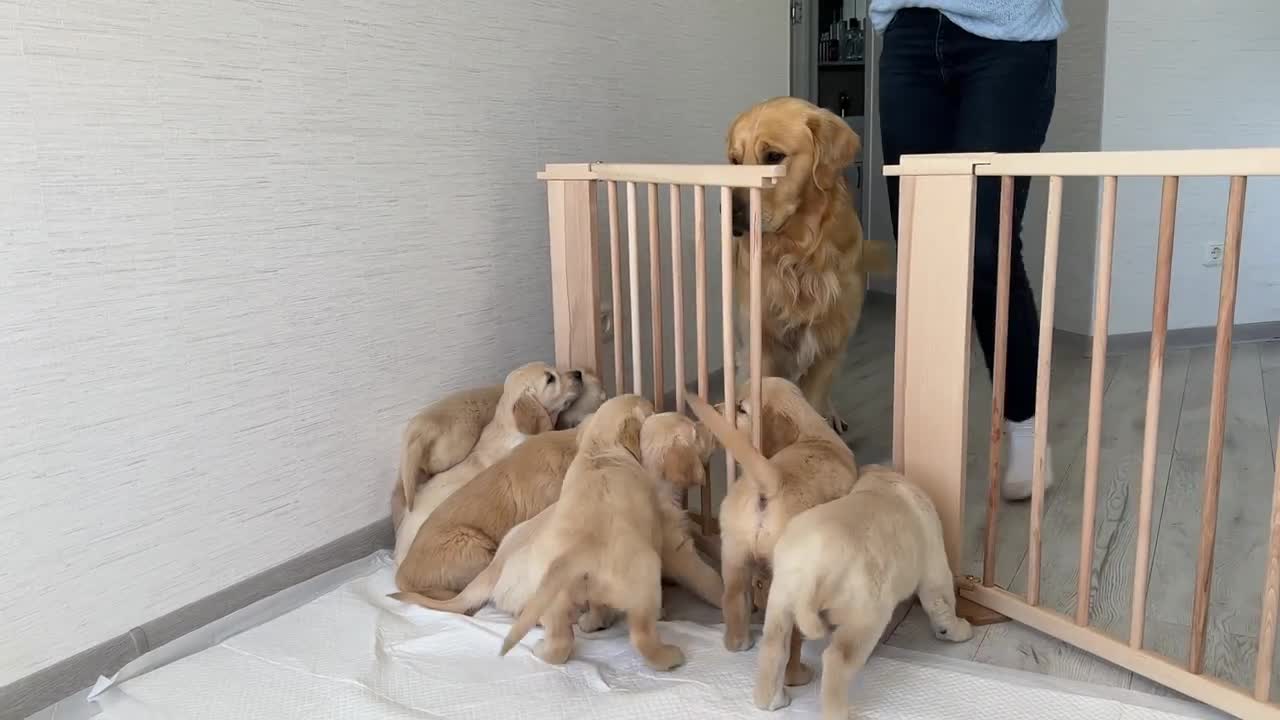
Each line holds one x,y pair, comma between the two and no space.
1007,94
916,112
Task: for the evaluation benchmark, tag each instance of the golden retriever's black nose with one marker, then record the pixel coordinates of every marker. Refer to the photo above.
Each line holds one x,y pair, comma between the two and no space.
575,375
739,216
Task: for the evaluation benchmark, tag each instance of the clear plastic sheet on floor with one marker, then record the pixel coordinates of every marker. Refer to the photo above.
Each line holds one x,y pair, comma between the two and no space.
336,648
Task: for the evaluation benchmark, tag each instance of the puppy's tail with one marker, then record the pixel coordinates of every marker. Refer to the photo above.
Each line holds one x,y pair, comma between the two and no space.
757,466
562,572
411,454
475,594
878,258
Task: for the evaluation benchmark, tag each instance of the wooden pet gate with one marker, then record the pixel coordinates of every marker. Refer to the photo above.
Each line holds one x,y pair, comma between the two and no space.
931,362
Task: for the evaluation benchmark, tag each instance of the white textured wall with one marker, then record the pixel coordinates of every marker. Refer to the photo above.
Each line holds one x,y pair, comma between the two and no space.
1203,76
240,242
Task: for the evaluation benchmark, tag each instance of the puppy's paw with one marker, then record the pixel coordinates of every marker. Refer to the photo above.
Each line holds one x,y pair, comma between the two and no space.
737,640
799,675
666,657
552,653
775,700
959,631
838,424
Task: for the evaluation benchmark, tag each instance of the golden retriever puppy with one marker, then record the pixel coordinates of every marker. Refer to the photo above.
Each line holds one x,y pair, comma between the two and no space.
533,396
815,260
458,540
673,449
852,561
444,433
605,540
804,464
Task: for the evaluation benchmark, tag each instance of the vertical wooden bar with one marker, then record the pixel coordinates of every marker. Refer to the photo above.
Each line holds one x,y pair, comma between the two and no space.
906,204
756,320
575,277
700,286
726,296
655,296
677,295
700,289
1097,384
1048,292
935,403
1217,421
633,260
615,282
1270,596
1004,252
1151,427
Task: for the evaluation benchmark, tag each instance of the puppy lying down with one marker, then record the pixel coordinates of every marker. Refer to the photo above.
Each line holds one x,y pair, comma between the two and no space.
848,563
673,448
458,539
533,396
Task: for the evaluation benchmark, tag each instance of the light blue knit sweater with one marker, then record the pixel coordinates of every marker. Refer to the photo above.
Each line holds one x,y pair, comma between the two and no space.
995,19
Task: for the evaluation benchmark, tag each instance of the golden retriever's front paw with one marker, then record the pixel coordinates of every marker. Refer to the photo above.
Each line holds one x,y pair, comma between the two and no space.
959,631
799,675
666,657
766,700
552,653
737,640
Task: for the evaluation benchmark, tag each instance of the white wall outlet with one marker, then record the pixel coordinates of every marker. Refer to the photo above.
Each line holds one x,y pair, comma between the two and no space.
1213,254
606,324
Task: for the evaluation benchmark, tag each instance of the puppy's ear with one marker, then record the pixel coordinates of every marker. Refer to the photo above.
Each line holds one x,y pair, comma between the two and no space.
835,144
779,432
705,439
682,467
629,436
531,418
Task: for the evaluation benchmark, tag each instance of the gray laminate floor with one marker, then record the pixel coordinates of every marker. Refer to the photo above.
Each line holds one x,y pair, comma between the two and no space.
864,395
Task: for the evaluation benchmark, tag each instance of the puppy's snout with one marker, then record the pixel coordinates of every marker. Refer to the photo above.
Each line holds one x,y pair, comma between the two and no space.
739,216
575,375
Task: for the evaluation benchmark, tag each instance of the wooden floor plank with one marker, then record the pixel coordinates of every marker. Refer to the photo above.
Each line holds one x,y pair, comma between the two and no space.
1244,508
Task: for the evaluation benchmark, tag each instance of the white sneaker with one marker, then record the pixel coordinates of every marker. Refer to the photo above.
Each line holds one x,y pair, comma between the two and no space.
1020,460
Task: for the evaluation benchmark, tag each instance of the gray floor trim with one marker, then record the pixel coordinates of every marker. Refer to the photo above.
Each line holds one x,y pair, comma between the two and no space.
45,687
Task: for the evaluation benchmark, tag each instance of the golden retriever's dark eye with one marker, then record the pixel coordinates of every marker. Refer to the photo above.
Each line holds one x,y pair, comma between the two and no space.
773,157
551,379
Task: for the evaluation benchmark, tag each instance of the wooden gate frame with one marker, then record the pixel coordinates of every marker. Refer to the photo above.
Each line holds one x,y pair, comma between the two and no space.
934,288
935,265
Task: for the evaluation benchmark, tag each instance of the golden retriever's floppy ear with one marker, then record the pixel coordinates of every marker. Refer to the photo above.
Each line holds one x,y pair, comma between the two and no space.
682,467
779,431
531,418
629,436
835,145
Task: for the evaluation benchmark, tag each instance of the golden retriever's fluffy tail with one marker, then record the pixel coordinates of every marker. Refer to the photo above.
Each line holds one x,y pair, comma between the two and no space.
808,621
562,573
411,453
878,258
757,466
474,595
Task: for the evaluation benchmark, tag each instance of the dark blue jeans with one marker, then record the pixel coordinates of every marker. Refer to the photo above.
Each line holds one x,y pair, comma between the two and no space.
944,89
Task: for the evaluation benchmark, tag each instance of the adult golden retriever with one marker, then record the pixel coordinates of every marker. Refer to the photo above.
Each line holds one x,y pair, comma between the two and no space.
815,260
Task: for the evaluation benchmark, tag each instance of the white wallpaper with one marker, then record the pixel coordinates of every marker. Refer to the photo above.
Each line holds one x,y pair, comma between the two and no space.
1201,77
242,241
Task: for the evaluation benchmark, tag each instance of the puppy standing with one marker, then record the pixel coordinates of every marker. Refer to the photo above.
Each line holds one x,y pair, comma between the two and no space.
532,397
804,464
854,559
605,535
814,259
674,449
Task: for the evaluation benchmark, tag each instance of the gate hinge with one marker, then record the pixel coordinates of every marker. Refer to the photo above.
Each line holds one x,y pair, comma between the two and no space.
796,12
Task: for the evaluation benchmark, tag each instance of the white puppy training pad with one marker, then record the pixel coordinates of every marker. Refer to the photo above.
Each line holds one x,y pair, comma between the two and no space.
351,652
